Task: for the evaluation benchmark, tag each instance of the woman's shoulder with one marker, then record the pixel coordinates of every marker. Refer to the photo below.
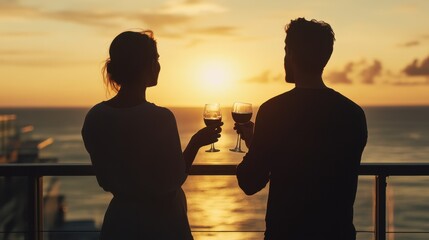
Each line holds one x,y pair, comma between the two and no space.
103,111
95,110
161,112
91,121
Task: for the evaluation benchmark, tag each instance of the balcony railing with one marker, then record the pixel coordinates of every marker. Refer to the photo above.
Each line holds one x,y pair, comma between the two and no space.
36,172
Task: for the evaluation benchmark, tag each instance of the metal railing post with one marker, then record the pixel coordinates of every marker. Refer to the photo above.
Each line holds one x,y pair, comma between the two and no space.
380,207
35,207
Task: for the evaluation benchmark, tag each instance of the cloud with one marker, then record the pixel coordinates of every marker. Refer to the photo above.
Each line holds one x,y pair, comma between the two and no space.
338,77
418,69
410,44
416,42
414,74
22,34
194,42
34,62
109,19
30,57
341,77
167,25
100,19
401,79
191,7
356,71
20,52
15,10
265,77
192,2
369,73
411,83
215,30
161,21
173,19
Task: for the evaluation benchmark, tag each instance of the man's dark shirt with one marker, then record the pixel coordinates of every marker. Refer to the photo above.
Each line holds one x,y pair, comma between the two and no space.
308,144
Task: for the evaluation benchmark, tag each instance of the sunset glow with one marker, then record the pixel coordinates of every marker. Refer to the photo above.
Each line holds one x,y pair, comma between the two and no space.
215,75
51,52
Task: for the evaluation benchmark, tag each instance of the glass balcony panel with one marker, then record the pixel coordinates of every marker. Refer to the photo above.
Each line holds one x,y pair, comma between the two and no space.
216,203
407,236
363,207
217,207
364,236
13,236
14,210
228,235
407,207
73,204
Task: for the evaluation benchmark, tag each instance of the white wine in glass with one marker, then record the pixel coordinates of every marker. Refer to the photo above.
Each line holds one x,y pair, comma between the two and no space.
212,115
241,113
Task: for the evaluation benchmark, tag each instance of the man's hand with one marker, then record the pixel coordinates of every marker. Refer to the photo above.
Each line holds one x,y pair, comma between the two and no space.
246,132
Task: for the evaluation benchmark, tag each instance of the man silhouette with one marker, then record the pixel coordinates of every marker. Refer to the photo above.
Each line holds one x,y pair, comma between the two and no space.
308,144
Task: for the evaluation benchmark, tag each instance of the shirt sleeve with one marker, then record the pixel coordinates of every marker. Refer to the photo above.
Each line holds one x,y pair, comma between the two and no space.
161,168
169,166
253,172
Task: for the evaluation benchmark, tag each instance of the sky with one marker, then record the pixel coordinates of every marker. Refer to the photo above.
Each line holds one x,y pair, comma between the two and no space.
52,52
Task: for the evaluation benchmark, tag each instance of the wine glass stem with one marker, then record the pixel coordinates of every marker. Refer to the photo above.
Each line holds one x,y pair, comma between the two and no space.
212,147
239,142
238,145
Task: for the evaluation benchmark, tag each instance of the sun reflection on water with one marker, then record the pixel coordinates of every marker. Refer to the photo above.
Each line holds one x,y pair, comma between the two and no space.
216,204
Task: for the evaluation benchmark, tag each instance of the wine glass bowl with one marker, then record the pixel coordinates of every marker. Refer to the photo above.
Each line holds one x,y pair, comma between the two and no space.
212,115
241,114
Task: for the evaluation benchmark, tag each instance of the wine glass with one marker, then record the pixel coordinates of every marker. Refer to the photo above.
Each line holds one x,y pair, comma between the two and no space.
241,113
212,115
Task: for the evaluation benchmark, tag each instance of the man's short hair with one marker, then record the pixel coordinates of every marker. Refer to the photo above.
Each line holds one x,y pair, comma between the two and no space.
310,42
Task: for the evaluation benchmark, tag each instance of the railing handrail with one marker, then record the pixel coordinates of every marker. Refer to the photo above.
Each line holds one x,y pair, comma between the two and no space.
36,171
86,169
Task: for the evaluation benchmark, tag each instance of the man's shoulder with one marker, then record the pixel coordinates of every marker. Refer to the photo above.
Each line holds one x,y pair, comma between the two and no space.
295,97
277,101
347,103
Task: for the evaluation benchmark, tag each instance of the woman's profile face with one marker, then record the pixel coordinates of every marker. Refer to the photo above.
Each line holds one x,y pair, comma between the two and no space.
154,73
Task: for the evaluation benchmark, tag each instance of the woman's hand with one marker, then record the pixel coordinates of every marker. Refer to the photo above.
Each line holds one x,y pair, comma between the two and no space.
207,135
203,137
246,132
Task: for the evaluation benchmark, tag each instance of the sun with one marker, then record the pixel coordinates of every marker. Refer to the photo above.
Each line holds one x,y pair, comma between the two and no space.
216,75
215,79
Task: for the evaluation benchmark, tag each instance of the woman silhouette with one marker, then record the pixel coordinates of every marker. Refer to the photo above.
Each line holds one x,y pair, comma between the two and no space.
135,148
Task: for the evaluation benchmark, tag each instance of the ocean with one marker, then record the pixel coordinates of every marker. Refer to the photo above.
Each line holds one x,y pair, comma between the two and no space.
217,208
